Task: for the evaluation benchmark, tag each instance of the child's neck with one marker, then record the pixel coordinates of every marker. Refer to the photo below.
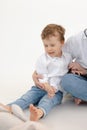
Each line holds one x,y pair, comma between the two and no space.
59,55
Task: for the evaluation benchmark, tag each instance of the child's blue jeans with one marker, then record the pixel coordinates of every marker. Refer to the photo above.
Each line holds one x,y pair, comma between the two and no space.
40,98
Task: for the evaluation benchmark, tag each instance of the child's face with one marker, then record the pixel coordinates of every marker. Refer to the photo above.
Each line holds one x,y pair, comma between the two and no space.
53,46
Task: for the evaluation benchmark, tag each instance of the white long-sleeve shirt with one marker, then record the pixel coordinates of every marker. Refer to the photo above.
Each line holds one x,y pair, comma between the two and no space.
52,69
77,47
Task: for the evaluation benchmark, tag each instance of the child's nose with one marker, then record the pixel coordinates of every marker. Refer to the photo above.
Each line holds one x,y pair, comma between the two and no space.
49,48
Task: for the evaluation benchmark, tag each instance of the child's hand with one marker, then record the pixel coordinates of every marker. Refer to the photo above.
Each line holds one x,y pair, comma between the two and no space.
51,92
50,89
47,87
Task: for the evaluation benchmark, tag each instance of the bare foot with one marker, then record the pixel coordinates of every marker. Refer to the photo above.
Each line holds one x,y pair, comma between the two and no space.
5,107
78,101
35,113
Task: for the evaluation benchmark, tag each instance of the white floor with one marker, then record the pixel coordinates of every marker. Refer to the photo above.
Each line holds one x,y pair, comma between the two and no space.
67,116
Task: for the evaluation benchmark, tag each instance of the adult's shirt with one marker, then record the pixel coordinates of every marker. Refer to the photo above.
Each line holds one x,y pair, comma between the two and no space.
77,46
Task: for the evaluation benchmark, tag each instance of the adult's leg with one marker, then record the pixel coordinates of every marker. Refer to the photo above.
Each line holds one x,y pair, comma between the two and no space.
76,85
45,105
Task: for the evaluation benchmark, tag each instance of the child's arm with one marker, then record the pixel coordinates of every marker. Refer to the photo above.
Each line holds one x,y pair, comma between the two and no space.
55,82
41,69
36,78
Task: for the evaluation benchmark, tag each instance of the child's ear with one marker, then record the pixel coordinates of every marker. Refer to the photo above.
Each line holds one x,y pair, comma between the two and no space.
62,42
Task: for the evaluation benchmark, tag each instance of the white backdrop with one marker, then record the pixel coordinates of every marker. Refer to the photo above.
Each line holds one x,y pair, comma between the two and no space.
21,23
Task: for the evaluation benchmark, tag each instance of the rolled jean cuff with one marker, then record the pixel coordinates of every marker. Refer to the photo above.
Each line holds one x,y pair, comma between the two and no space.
44,112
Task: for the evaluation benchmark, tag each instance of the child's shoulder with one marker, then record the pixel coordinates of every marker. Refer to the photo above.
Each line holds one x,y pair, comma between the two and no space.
43,55
67,55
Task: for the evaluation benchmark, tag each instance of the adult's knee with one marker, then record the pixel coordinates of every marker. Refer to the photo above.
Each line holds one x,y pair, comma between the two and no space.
66,81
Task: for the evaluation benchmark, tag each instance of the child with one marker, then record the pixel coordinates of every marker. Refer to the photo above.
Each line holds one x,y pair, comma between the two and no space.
53,64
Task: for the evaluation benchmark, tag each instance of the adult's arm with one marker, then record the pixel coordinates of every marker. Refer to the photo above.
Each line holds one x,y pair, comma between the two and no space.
76,68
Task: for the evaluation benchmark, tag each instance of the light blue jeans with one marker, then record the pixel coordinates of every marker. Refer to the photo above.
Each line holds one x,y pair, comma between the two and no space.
40,98
76,85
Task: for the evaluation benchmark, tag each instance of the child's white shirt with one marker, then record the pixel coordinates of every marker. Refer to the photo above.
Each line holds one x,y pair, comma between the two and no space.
53,68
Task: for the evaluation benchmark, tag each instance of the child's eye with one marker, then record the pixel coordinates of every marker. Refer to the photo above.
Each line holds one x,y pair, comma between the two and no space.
46,45
52,45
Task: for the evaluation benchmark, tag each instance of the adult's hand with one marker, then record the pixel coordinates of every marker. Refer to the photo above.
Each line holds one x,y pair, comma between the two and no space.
76,68
35,77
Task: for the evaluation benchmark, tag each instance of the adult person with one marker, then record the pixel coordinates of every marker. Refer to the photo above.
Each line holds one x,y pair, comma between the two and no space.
74,82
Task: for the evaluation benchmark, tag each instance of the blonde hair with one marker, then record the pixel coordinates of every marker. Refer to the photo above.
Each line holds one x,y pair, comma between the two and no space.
53,30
